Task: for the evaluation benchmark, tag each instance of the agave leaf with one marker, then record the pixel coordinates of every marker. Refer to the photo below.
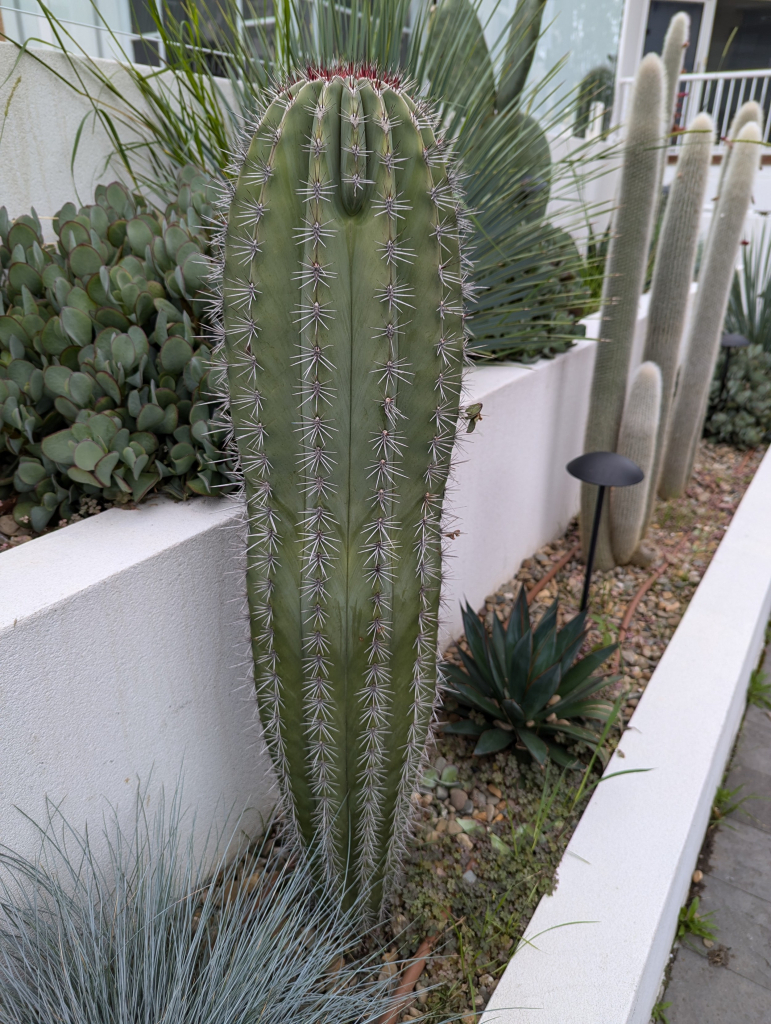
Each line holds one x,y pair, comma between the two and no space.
547,624
575,731
492,741
519,621
473,699
540,691
519,667
514,712
598,710
535,745
465,727
567,636
480,674
584,668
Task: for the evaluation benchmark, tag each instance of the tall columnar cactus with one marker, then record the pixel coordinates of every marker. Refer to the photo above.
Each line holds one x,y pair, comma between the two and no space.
624,278
636,440
672,277
343,331
672,56
715,279
747,113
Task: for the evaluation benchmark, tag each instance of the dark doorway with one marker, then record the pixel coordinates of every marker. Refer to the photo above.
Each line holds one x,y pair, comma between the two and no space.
660,14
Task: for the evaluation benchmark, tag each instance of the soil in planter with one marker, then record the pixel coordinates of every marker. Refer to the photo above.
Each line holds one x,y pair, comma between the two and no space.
461,886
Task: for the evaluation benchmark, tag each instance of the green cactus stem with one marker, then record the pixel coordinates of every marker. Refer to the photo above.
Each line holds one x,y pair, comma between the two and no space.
636,440
343,333
624,278
520,50
672,277
715,279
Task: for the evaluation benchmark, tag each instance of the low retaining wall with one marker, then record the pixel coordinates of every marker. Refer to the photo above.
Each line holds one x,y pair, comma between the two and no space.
119,634
597,947
119,649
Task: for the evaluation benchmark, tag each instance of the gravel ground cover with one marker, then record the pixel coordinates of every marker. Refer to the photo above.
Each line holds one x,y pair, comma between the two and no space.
491,834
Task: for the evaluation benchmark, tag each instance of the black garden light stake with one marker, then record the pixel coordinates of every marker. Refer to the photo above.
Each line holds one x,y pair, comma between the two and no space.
729,342
605,469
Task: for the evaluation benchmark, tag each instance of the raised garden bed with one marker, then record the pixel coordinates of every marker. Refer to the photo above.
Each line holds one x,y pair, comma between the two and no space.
472,896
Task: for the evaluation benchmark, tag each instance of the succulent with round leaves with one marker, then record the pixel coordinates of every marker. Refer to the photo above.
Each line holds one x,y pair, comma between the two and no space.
343,335
104,385
526,684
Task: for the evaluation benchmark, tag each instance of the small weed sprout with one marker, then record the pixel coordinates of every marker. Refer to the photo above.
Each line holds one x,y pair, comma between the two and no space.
690,922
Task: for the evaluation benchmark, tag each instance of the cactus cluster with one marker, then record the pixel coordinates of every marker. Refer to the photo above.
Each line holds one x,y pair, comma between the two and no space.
104,383
656,425
343,331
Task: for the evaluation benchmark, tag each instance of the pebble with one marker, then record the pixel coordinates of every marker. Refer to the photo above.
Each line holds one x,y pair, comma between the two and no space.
708,943
465,841
458,798
494,790
697,875
441,793
454,828
469,876
8,526
440,764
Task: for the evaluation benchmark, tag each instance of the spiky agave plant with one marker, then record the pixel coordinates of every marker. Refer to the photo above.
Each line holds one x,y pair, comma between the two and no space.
343,333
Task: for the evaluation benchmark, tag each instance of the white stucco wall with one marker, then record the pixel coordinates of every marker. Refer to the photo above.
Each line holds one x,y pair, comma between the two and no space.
122,660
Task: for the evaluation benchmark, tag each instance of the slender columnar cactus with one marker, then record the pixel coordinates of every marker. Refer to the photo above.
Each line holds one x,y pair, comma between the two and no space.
747,112
673,275
636,440
672,56
520,50
344,331
715,279
624,278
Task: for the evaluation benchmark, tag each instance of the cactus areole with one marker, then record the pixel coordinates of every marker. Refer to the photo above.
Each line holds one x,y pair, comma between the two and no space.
343,332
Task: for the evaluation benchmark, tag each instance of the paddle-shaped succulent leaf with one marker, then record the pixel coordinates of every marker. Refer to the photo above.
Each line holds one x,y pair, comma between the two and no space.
343,335
527,684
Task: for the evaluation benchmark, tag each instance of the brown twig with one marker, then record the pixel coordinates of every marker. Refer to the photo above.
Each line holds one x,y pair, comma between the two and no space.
536,590
409,979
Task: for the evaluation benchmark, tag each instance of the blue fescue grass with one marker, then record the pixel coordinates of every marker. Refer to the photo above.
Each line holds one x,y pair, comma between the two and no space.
138,928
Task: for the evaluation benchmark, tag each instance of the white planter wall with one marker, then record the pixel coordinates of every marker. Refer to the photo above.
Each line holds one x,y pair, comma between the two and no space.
121,659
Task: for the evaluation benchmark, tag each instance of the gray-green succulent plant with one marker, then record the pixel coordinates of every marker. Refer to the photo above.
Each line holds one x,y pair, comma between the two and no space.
104,382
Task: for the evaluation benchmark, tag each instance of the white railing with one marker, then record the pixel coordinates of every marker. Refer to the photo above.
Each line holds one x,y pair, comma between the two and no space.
720,93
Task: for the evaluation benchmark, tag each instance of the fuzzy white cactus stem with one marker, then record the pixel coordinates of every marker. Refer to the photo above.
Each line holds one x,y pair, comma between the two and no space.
624,279
672,278
715,279
636,440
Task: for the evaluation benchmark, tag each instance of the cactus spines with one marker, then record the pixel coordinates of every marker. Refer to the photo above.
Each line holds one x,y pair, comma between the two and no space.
624,278
636,440
672,276
747,113
715,279
343,336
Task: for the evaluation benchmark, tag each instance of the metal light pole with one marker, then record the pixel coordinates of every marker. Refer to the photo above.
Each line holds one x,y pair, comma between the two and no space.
604,469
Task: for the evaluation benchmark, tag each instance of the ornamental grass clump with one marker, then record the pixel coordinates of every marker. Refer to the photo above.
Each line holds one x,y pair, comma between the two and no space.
127,923
105,388
526,684
343,334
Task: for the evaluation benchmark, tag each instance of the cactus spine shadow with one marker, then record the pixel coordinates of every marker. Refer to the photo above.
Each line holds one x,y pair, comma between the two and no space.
624,279
343,335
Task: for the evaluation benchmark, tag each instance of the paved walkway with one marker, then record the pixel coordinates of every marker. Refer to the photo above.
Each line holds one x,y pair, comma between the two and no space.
737,888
